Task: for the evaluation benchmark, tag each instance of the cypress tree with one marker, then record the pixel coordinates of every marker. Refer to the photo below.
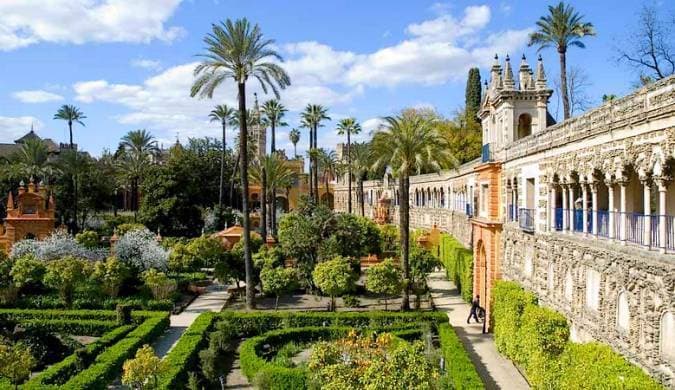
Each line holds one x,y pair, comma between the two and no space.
473,92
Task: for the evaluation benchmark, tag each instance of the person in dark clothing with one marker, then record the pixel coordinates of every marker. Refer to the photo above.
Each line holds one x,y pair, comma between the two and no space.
475,306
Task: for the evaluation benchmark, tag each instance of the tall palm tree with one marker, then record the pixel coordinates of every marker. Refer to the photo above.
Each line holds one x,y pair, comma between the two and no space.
275,173
273,113
225,115
237,50
32,160
312,117
137,149
409,144
327,165
562,27
349,126
361,162
71,114
294,137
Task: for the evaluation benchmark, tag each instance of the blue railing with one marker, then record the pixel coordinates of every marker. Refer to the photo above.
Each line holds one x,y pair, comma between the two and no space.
469,210
526,219
578,220
654,235
486,153
558,219
635,228
670,233
513,213
603,223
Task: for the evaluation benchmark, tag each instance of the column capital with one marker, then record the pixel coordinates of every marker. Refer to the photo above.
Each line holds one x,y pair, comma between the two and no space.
662,182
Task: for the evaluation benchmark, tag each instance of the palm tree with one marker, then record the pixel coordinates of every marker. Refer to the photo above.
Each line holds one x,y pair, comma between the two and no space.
409,144
32,160
361,162
273,113
71,114
328,166
137,149
349,126
294,137
312,117
275,173
237,50
225,115
562,27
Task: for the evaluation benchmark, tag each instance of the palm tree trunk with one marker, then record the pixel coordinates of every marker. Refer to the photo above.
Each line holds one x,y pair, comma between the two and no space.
404,188
311,164
295,149
234,177
563,83
273,199
221,189
361,200
349,175
248,264
70,131
316,167
263,206
273,146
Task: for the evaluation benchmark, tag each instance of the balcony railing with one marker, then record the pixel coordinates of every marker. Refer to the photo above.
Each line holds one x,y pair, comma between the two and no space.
486,153
559,219
603,223
526,219
513,213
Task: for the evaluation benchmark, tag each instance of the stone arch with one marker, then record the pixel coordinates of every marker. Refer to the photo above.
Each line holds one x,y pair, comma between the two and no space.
622,312
568,286
524,125
667,336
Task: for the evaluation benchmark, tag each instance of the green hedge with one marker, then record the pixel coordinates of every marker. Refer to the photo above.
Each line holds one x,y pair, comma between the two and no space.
183,356
536,338
71,326
108,365
60,372
458,263
461,372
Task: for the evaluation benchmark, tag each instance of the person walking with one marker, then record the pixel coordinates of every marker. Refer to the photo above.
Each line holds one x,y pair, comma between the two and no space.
475,306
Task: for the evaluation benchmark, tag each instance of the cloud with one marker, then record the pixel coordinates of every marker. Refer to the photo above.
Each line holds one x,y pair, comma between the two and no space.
24,22
12,128
36,96
446,28
146,64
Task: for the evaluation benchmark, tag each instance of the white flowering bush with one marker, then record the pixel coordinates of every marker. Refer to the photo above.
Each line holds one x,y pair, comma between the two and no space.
140,249
57,246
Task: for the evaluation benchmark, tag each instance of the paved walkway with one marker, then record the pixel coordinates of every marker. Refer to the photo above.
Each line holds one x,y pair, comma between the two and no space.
496,371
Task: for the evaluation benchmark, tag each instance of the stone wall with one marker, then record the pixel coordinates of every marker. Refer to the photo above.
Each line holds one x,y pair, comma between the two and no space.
583,279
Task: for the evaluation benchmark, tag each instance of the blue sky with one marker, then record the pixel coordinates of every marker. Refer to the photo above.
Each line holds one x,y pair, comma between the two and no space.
127,63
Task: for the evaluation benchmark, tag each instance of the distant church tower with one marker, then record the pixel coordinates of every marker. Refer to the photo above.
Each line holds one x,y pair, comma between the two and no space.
510,112
258,132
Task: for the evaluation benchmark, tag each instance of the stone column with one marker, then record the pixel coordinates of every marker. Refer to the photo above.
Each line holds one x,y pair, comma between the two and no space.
551,208
594,205
565,214
611,217
662,184
647,211
584,208
622,216
571,206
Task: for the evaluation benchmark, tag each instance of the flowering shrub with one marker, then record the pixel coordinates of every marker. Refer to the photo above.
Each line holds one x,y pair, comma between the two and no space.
60,244
140,249
159,284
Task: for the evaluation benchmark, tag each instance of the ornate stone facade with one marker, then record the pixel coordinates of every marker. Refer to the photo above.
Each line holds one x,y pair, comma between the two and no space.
582,212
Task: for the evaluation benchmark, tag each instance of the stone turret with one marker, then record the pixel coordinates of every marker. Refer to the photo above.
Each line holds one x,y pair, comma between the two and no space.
525,75
495,75
509,82
10,201
540,83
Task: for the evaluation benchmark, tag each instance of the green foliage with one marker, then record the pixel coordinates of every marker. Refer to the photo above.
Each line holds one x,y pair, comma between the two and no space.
88,239
206,251
351,301
384,279
65,275
355,236
390,238
159,284
277,281
16,361
299,236
334,277
537,339
125,228
142,371
27,271
472,95
461,372
422,262
110,275
458,263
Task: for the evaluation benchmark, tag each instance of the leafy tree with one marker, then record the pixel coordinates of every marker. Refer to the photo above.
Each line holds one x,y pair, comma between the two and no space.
561,28
472,96
334,278
312,117
225,115
140,250
142,371
65,275
349,126
277,281
110,275
159,284
384,279
205,251
410,143
136,150
299,239
422,263
237,50
27,271
16,362
355,236
294,137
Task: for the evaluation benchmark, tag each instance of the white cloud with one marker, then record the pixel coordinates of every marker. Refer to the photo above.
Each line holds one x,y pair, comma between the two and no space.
26,22
371,125
146,64
446,28
12,128
36,96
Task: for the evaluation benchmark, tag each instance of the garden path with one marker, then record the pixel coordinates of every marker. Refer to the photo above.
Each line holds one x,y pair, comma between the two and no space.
496,371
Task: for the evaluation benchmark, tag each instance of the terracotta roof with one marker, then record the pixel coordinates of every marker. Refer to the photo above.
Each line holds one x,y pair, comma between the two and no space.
234,231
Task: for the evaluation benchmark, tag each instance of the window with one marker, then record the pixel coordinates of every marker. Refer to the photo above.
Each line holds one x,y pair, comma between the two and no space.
524,126
484,203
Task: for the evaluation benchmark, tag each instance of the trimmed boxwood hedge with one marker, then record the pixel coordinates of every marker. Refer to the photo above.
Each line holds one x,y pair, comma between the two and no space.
458,263
461,372
536,338
108,364
183,356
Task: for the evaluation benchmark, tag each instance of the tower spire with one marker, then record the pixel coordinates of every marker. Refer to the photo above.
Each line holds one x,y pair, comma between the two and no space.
495,74
509,83
524,78
540,83
10,201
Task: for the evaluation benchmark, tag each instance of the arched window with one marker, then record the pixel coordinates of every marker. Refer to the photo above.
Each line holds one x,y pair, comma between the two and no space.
569,286
667,336
524,125
622,312
549,278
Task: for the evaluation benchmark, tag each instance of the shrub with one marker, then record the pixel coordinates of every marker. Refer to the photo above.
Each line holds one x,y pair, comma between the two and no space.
334,278
161,286
123,314
59,244
16,362
458,263
384,279
125,228
508,306
110,275
142,371
277,281
27,271
351,301
139,249
88,239
65,275
460,370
